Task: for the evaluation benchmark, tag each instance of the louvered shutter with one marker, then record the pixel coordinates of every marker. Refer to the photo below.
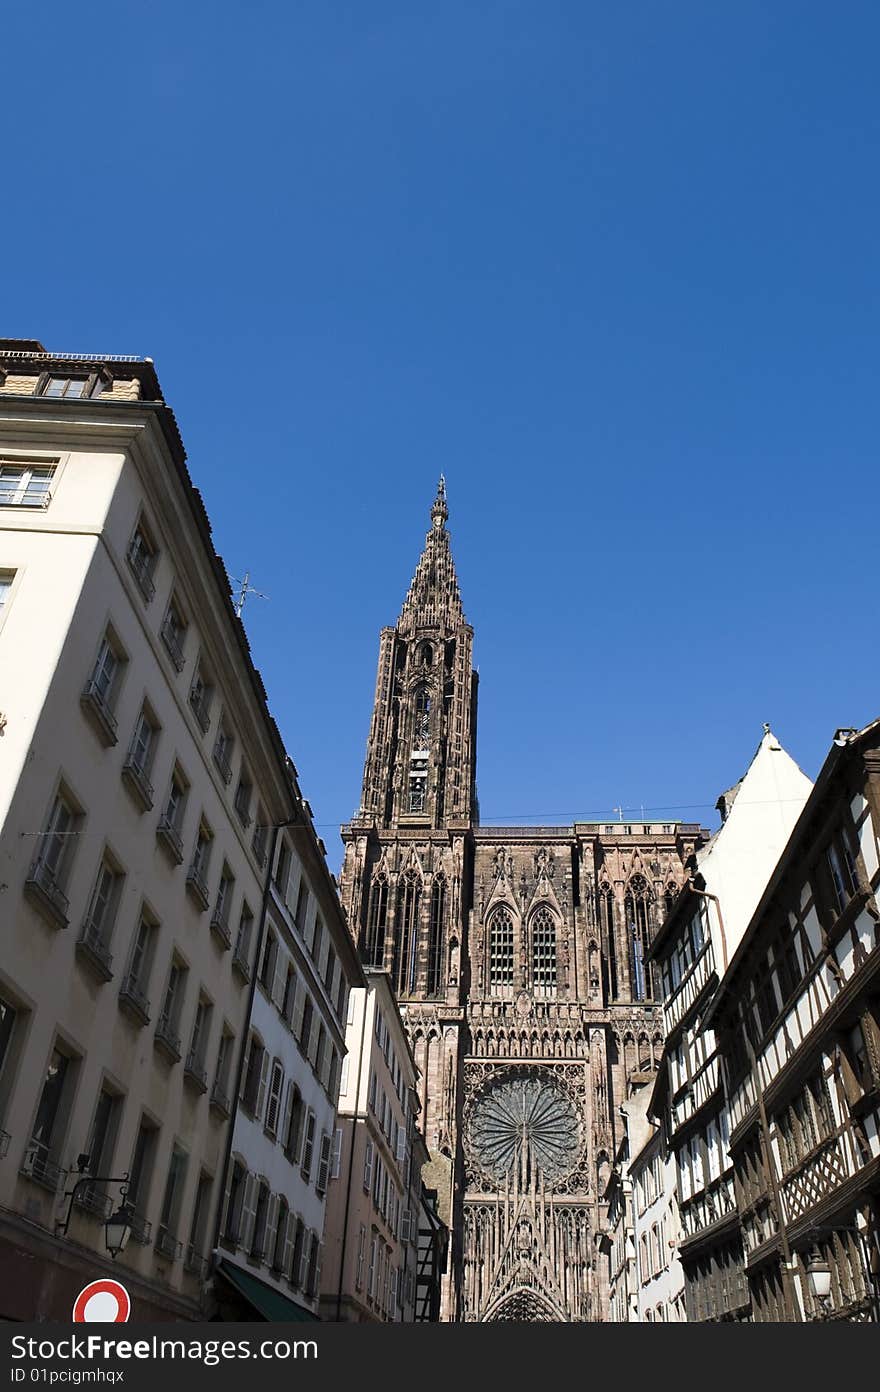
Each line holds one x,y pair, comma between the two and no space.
271,1223
279,978
264,1075
401,1144
287,1256
336,1153
298,1010
343,1080
249,1211
288,1109
368,1166
323,1164
304,1259
247,1063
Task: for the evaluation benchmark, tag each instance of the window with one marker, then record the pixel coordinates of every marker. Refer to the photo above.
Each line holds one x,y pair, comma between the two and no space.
25,484
639,909
199,1043
261,1221
254,1077
243,794
98,923
319,1052
544,953
312,1274
267,963
201,694
85,384
102,689
373,944
305,1034
276,1083
195,1251
170,827
418,783
136,983
224,1063
243,941
139,763
6,579
302,905
298,1264
288,1003
368,1166
142,556
329,969
361,1253
167,1028
51,868
166,1240
841,863
223,902
102,1138
317,940
421,719
293,1139
501,953
308,1146
197,879
409,896
435,936
235,1204
50,1121
173,631
141,1169
261,831
279,1249
223,746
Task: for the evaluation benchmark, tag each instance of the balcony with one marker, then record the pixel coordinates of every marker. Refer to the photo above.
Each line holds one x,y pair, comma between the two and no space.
37,1166
141,566
137,782
220,927
172,637
240,961
167,1243
200,706
141,1230
194,1262
195,883
93,1199
167,1039
133,1000
222,761
168,836
100,715
220,1100
93,950
194,1071
46,894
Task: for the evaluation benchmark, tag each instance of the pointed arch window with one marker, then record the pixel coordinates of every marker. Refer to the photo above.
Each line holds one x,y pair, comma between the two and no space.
421,717
639,921
544,953
501,953
409,897
435,935
609,958
373,945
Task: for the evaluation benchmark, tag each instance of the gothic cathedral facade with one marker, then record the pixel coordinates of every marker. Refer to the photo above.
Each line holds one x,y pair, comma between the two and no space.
517,957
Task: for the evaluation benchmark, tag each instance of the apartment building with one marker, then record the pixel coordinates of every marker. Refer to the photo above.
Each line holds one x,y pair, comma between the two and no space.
375,1200
655,1222
797,1015
142,779
271,1227
692,949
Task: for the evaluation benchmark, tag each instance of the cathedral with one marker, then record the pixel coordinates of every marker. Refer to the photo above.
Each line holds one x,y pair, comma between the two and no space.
518,958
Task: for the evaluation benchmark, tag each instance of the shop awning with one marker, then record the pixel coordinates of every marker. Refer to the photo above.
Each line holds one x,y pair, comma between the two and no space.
268,1302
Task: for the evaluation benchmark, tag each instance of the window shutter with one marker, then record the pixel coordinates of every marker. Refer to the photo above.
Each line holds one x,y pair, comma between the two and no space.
343,1080
404,1226
401,1144
287,1254
247,1064
224,1209
276,986
336,1153
313,1042
298,1011
264,1074
248,1211
271,1222
368,1166
323,1164
288,1109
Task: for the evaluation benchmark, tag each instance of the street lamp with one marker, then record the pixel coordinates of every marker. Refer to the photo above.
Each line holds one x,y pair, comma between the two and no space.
117,1226
117,1229
819,1276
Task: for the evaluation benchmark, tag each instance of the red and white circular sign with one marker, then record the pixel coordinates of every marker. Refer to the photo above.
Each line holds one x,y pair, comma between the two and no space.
102,1302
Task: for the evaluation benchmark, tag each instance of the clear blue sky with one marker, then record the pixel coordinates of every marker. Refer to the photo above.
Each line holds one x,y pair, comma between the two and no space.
613,268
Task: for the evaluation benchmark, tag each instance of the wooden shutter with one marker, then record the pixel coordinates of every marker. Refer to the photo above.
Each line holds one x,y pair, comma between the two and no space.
286,1114
401,1144
248,1211
280,976
271,1223
298,1009
287,1255
368,1166
323,1164
304,1259
264,1075
247,1064
336,1153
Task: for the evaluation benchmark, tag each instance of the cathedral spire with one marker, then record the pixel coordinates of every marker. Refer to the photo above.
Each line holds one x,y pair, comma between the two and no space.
433,600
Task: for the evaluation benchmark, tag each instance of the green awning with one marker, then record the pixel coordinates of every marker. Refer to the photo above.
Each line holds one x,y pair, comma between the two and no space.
268,1302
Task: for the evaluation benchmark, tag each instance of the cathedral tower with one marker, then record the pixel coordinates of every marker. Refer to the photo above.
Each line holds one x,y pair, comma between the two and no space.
518,958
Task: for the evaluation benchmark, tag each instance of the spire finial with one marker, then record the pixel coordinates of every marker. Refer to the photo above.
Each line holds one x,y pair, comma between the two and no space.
440,512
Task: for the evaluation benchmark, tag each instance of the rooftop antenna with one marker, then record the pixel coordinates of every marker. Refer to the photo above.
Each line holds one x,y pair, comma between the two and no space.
619,811
245,589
